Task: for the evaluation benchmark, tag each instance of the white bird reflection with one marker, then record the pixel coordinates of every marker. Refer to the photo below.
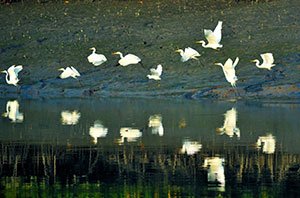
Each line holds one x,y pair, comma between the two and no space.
70,117
97,131
190,147
267,143
215,170
229,126
130,134
12,112
155,123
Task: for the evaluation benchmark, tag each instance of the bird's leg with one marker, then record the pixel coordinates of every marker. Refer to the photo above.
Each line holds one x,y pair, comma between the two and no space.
81,85
142,64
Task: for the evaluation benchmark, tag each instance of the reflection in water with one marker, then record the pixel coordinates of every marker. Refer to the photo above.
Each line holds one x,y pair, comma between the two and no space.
215,170
267,143
97,131
229,126
190,147
130,134
70,117
155,123
12,112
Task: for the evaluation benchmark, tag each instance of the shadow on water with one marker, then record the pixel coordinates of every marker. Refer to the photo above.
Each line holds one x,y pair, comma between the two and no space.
146,148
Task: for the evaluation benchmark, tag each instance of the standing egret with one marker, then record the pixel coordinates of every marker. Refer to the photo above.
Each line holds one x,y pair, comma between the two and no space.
130,134
267,63
128,59
155,73
190,147
12,112
68,72
188,53
98,130
12,74
215,172
229,70
155,123
96,59
267,143
213,37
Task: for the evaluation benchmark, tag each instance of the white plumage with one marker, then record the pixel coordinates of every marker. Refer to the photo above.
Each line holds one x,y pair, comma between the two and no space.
229,70
213,37
97,131
12,74
128,59
12,112
96,59
70,117
268,61
188,53
155,73
69,72
190,147
229,127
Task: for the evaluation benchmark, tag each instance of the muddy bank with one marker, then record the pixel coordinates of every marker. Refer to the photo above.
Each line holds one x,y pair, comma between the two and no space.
48,36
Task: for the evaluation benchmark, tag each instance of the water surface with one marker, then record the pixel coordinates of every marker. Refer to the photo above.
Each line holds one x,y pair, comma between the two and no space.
117,147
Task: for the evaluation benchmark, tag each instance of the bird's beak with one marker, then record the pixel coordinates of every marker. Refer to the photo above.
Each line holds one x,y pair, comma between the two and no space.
60,69
198,42
177,50
114,53
90,48
252,61
2,71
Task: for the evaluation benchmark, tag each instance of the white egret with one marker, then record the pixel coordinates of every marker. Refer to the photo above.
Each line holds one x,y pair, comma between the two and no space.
69,72
128,59
97,131
267,143
70,117
155,123
268,61
12,74
213,37
12,112
190,147
229,127
130,134
96,59
229,70
215,172
155,73
188,53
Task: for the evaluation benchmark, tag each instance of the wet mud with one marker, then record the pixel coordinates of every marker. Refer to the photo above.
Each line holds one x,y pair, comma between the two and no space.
44,37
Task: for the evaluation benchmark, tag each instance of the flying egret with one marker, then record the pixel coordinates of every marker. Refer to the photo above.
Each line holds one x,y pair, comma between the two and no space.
70,117
267,63
96,59
188,53
128,59
213,37
68,72
190,147
12,74
229,70
12,112
155,73
229,126
155,123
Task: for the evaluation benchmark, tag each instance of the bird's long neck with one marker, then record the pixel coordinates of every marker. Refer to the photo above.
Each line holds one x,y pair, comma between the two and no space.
121,55
6,77
257,63
94,50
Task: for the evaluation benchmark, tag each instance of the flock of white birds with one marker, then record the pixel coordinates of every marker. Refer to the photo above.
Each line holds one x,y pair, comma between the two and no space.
213,41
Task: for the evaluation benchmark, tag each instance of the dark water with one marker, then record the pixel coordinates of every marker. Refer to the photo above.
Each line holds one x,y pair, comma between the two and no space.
149,148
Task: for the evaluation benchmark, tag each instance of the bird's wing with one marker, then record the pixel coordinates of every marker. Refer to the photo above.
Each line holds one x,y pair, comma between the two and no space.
159,70
218,32
210,36
267,58
18,68
236,61
75,71
191,52
228,64
132,57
